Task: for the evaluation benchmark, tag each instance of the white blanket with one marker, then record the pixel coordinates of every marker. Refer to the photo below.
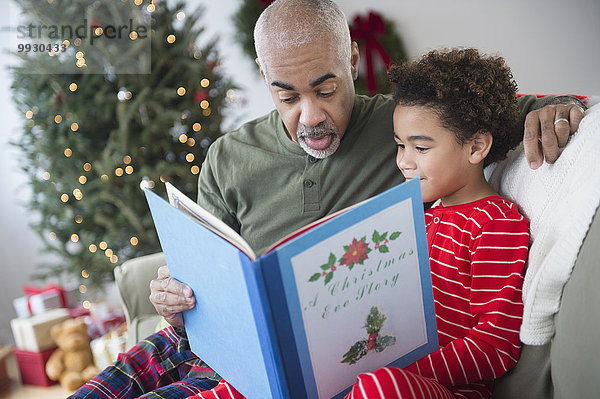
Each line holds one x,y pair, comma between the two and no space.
559,201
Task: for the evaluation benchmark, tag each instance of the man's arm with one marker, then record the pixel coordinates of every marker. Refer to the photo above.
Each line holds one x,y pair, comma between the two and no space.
548,122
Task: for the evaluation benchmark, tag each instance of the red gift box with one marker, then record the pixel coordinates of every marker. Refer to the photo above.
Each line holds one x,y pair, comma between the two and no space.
32,366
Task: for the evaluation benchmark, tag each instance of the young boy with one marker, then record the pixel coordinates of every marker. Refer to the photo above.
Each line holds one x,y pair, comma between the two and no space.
455,112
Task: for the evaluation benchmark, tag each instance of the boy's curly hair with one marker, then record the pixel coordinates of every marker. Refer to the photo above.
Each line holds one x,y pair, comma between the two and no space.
468,91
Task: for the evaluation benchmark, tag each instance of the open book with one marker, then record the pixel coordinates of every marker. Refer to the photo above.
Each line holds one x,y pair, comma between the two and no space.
347,294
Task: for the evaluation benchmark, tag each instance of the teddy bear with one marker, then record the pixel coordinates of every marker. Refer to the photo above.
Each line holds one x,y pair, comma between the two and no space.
72,364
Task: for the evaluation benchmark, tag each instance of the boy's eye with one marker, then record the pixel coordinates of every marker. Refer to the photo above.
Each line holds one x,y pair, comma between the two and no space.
421,149
400,145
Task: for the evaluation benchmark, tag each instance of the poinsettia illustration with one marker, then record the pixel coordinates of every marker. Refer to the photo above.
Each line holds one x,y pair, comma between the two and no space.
355,253
374,341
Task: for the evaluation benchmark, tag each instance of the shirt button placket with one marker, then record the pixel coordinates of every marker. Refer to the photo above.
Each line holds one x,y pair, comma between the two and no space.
310,183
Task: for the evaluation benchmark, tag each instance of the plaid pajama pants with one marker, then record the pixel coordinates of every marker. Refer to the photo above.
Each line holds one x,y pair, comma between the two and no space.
162,366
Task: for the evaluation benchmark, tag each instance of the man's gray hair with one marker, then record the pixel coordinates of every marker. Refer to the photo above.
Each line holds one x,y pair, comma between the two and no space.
295,23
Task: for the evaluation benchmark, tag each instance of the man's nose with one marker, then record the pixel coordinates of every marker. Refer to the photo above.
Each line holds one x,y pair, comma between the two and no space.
311,113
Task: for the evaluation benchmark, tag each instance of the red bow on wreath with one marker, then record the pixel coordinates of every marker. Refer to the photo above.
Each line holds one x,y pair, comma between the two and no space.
266,3
368,30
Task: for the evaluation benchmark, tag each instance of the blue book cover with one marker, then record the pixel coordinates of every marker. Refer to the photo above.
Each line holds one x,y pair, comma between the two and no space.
345,296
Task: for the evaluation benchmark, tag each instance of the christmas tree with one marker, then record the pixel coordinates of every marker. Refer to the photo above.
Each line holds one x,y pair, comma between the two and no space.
98,128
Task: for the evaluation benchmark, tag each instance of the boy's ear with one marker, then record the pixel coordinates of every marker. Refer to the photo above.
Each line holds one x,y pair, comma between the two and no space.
480,144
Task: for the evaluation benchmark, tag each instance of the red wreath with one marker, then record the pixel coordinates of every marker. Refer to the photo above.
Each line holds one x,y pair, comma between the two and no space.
376,39
369,30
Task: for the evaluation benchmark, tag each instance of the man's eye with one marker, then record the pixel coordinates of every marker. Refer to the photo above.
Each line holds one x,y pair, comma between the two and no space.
326,93
400,145
288,100
421,149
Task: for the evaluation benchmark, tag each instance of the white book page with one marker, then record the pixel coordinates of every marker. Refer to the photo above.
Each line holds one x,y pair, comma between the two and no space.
180,201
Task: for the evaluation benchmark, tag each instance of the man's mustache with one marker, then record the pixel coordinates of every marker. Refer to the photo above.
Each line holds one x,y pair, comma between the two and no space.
322,129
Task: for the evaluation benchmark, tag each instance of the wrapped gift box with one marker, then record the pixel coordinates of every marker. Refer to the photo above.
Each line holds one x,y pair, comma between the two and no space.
32,366
107,348
33,333
39,300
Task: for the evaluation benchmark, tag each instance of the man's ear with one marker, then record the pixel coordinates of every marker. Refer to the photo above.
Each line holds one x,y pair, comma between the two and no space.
354,60
480,144
261,70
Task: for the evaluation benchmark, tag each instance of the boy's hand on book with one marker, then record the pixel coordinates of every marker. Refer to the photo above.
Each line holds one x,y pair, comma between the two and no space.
170,297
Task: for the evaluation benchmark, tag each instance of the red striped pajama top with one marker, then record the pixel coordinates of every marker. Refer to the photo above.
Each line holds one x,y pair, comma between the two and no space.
477,254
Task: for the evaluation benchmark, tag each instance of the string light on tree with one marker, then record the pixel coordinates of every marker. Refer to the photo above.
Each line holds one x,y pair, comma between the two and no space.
124,94
90,192
147,183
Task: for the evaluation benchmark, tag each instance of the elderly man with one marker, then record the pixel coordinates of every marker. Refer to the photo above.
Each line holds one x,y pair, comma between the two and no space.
322,149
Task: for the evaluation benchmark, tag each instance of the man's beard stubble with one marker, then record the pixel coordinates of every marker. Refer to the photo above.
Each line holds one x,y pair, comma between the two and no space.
323,129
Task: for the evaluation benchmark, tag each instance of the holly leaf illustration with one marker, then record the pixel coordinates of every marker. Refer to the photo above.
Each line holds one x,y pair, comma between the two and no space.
395,235
383,249
356,351
314,277
384,342
328,277
383,236
331,261
375,237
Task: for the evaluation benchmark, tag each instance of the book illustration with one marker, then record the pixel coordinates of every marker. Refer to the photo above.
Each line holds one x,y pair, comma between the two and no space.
355,253
373,324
